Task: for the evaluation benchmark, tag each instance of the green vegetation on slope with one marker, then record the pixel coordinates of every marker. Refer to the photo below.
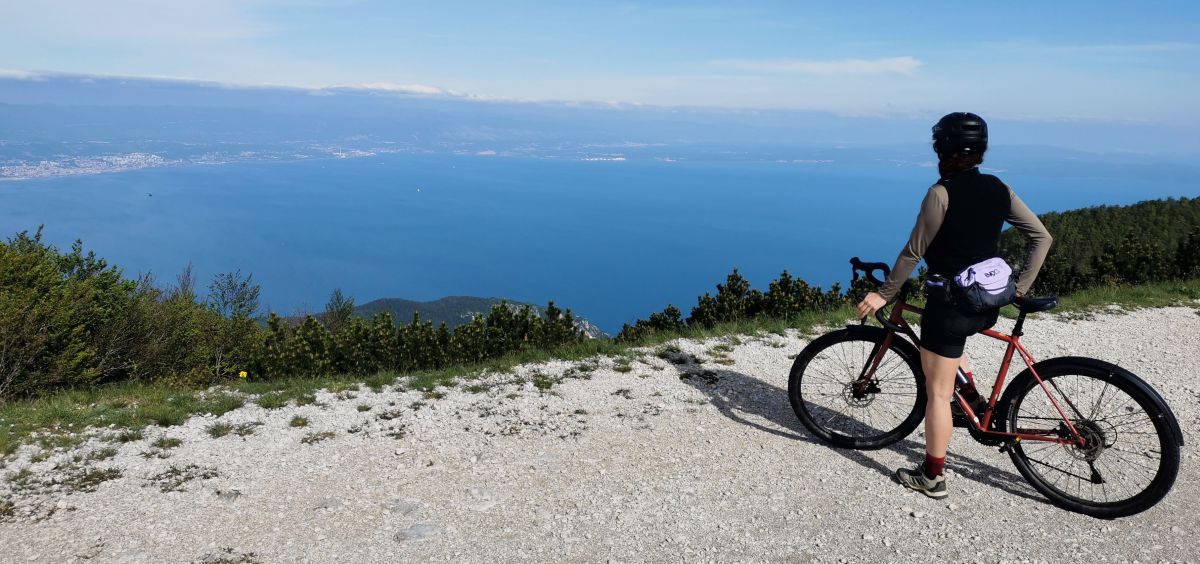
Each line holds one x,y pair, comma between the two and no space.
53,421
1162,293
69,319
1146,241
84,346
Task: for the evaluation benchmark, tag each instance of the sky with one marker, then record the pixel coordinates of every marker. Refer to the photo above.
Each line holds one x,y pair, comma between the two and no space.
1105,61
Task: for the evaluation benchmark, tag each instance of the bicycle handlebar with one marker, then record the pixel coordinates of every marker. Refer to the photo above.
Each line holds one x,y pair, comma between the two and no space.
869,268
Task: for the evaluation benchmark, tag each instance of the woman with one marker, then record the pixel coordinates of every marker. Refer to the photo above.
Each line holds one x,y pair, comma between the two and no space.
959,225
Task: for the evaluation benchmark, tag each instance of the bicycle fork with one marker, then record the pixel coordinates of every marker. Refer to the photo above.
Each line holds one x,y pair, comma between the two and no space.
866,383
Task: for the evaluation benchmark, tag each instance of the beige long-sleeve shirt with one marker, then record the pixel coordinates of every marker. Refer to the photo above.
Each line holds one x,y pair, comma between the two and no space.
929,220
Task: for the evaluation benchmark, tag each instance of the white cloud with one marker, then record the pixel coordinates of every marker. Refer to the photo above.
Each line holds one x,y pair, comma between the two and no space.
887,65
16,74
422,89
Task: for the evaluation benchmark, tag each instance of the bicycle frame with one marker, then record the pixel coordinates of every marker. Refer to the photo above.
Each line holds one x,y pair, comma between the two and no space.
980,424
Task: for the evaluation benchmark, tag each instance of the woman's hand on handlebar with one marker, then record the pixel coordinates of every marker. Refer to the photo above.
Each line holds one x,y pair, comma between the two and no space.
870,304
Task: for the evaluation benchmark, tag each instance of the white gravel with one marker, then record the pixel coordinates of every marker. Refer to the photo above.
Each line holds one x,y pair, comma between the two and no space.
623,466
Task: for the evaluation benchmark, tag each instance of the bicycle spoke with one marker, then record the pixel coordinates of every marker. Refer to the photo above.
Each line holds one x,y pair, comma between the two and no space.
1099,400
1120,450
1055,468
844,392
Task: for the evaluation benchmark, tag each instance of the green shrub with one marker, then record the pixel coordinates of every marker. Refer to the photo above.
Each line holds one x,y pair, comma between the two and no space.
63,317
786,298
70,320
1187,256
1135,260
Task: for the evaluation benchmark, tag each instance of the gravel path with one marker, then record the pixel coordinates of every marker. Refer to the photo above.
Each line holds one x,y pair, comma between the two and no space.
606,464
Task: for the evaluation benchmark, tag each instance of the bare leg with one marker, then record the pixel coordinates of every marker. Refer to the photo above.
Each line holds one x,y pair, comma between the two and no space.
939,388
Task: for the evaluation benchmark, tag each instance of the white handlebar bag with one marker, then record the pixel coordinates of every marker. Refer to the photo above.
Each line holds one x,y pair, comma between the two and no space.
985,286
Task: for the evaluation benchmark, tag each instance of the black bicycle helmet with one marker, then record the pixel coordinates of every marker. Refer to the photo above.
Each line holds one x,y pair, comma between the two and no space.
960,132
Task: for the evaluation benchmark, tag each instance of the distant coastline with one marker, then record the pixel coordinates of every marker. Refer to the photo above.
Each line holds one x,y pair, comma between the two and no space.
64,166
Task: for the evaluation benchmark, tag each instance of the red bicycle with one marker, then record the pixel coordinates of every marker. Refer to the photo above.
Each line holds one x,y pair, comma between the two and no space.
1089,435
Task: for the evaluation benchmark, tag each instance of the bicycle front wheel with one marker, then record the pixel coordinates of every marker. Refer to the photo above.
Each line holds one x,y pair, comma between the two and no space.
1130,456
833,399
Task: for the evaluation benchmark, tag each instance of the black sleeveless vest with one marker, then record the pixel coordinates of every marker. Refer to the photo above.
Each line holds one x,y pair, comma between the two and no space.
978,205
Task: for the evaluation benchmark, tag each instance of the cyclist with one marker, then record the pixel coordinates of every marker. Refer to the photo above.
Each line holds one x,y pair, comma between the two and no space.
959,225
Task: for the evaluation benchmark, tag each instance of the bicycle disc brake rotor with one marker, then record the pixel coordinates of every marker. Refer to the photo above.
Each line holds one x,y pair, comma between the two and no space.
859,393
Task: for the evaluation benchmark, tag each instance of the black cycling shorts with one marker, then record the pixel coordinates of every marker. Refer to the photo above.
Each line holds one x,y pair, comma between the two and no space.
944,328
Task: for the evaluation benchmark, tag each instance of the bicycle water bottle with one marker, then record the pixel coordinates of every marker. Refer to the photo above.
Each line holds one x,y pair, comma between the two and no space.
966,387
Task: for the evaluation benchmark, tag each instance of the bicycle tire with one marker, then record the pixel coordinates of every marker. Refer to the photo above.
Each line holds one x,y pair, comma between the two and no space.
851,348
1156,432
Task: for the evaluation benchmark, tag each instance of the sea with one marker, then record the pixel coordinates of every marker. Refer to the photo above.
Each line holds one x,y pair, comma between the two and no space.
613,240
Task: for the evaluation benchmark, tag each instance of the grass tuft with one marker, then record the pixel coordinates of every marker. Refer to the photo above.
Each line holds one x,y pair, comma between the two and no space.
88,479
96,455
377,382
246,429
543,382
21,479
166,443
176,478
218,430
313,438
128,436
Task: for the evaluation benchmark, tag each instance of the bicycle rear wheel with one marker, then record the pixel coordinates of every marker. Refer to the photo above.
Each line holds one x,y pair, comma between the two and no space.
1131,456
835,404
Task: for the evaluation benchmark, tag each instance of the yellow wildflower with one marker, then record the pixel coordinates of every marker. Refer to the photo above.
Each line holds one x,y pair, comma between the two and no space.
242,374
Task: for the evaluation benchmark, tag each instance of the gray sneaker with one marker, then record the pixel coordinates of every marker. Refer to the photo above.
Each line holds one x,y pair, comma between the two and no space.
916,480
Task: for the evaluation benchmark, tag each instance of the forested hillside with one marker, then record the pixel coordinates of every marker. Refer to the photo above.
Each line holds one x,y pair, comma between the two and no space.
451,310
1150,240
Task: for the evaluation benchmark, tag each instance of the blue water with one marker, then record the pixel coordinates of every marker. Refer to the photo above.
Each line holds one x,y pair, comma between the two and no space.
612,240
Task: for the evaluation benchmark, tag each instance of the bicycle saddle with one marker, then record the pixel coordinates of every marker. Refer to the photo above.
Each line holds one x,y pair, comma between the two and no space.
1034,305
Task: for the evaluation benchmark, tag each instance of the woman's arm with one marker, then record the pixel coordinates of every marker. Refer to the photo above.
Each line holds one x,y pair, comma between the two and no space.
933,212
1025,221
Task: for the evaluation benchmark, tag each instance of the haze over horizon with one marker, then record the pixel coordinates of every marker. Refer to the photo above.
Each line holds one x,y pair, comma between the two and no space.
1111,62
